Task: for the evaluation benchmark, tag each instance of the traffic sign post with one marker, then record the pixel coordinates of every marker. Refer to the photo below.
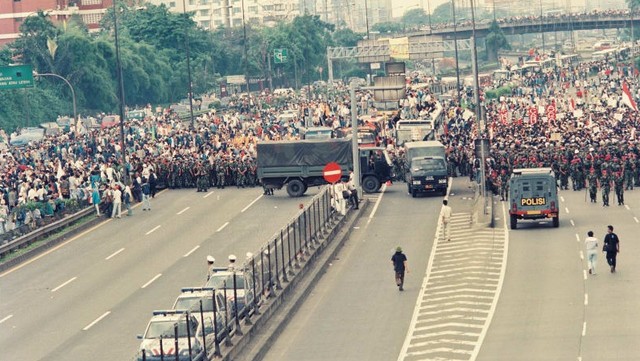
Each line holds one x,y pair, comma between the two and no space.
16,77
332,172
280,56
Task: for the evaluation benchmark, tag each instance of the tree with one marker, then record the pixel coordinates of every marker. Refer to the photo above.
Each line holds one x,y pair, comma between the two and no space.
390,27
346,37
495,41
415,18
442,14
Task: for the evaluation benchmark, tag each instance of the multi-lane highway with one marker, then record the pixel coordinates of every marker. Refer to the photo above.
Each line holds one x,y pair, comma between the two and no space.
88,298
530,299
498,295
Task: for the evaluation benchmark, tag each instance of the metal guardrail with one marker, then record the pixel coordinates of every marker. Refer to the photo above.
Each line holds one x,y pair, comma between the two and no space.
43,231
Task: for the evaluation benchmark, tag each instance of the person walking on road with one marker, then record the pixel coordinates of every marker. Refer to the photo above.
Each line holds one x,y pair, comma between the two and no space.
399,261
591,246
146,194
116,211
611,247
445,220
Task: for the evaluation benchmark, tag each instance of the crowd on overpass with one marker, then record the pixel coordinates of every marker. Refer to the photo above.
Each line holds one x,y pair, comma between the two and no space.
548,17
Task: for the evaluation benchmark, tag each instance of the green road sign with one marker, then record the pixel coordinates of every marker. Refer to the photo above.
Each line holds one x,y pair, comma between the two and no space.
16,76
280,56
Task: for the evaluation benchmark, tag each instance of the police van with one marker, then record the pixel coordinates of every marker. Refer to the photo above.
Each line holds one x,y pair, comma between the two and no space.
533,195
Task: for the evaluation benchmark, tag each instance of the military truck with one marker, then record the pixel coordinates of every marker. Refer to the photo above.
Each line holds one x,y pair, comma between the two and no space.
426,168
533,195
298,164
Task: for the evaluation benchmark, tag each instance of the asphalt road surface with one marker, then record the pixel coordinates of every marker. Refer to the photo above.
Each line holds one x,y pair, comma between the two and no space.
550,307
88,298
532,299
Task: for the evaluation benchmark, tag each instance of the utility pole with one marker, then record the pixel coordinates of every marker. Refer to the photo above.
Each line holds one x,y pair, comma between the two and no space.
186,35
120,87
455,46
476,86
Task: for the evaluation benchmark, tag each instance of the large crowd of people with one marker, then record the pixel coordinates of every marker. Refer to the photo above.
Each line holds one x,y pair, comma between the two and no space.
571,119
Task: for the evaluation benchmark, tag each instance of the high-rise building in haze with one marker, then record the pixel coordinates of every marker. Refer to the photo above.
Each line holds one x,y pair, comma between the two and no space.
13,13
343,13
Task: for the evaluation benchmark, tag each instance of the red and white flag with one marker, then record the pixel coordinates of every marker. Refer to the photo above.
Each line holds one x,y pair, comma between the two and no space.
627,99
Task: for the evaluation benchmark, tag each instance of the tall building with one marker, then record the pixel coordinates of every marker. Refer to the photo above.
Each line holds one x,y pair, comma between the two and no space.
210,14
14,12
344,13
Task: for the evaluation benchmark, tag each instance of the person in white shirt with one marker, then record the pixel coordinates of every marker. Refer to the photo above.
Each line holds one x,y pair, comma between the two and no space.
591,246
117,202
339,201
445,220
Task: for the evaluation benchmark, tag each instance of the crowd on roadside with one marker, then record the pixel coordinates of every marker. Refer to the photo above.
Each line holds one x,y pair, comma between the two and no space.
79,168
581,121
588,129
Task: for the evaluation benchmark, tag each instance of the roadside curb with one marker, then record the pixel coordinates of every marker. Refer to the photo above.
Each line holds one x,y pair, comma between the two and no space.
258,339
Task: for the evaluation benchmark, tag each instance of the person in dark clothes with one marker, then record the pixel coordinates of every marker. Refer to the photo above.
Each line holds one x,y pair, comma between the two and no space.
399,261
611,247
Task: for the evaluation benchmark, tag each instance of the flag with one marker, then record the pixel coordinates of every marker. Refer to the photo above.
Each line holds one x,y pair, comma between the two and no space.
627,99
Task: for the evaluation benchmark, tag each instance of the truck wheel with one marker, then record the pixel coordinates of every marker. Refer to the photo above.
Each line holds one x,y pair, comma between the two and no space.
514,222
295,188
556,221
370,184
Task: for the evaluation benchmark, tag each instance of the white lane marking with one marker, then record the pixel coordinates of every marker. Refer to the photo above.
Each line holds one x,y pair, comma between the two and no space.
250,204
64,284
26,263
6,318
55,248
114,254
562,198
566,209
222,227
182,211
584,328
375,207
153,230
586,299
581,255
208,194
573,224
627,207
190,252
577,237
96,320
636,219
584,274
151,280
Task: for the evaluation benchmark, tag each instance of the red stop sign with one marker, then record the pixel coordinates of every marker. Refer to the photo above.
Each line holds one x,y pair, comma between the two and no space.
332,172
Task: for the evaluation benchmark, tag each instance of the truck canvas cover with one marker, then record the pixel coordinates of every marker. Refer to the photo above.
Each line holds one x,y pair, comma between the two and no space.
304,152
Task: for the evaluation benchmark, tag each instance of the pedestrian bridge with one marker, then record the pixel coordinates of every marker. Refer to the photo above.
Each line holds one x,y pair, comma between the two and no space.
527,25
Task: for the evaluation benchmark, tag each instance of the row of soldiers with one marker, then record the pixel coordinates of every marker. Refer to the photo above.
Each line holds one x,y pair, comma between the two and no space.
201,174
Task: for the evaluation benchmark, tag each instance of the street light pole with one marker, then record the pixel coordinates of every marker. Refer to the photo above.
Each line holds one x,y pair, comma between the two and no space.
120,85
541,32
244,41
186,35
476,85
455,46
73,93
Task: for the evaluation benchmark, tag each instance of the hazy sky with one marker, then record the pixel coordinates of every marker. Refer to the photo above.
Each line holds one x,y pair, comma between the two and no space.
400,6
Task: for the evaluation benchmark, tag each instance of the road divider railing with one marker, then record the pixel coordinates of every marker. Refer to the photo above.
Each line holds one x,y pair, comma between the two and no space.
235,295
